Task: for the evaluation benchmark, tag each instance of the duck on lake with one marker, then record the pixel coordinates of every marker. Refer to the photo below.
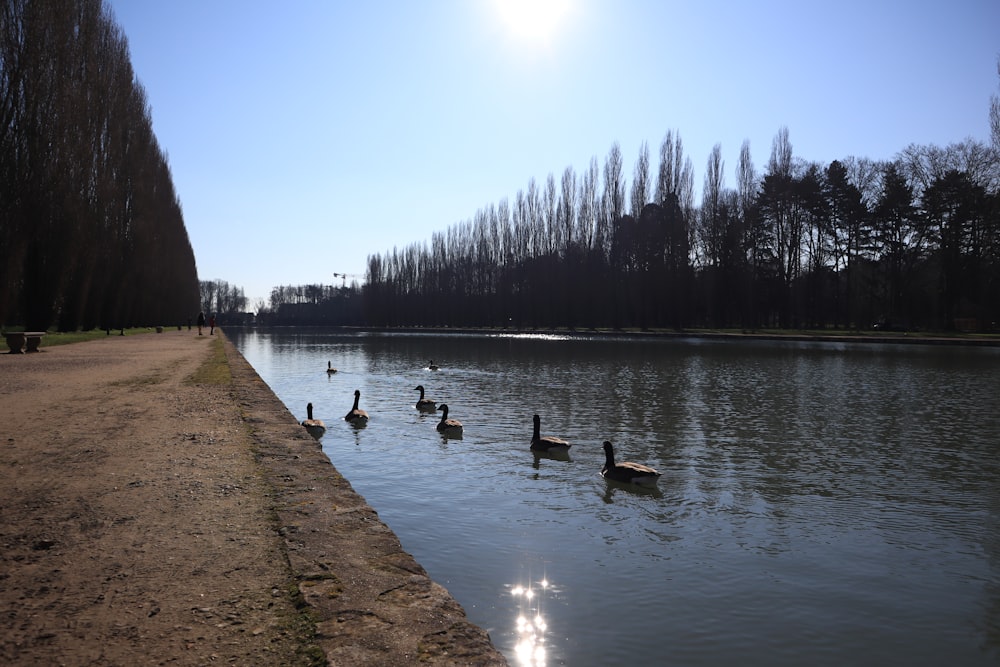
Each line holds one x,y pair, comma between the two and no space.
357,416
626,471
330,370
548,443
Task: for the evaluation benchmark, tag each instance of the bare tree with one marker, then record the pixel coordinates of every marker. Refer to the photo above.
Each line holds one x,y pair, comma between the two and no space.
746,180
923,165
551,224
640,181
995,116
780,162
589,206
535,220
612,198
711,232
568,210
671,154
781,214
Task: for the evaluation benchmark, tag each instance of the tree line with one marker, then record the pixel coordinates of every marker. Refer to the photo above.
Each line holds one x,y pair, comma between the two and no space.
227,302
92,230
328,305
908,243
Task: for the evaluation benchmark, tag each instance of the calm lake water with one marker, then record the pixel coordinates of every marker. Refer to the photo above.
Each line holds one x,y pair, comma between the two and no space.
821,503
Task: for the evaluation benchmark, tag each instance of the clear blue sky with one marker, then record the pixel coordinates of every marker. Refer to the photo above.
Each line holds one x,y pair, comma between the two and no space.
304,136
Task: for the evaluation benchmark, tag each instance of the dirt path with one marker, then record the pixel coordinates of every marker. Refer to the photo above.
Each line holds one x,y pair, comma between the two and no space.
148,520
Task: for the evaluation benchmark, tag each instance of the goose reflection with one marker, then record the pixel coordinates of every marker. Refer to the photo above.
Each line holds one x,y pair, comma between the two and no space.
552,456
611,486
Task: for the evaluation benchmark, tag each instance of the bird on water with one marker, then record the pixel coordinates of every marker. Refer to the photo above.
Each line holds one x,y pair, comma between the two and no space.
357,416
548,443
626,471
451,428
427,404
315,427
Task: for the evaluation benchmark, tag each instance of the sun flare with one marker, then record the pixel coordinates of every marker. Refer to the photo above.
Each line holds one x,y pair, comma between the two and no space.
534,20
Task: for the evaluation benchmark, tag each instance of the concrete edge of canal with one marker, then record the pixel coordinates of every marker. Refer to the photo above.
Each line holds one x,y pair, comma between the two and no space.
373,604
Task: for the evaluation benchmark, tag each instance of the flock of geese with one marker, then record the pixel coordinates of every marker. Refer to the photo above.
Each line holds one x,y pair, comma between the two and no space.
625,472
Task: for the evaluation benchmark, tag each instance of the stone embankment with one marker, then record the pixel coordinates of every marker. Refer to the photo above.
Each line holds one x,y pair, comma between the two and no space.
374,603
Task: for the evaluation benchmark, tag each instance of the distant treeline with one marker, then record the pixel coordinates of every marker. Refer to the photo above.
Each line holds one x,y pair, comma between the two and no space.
313,304
227,302
908,243
91,230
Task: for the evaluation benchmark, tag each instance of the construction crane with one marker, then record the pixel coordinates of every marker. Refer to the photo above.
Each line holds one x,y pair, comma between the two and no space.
345,276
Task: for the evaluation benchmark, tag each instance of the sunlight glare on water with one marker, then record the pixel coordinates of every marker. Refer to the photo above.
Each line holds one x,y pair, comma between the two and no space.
531,627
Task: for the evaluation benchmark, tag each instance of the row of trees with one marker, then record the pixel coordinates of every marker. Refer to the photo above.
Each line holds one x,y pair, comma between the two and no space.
91,229
313,304
227,302
912,242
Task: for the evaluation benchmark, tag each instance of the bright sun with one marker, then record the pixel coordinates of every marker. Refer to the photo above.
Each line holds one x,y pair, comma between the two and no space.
532,19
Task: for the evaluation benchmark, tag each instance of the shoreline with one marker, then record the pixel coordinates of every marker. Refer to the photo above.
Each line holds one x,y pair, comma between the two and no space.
373,603
900,338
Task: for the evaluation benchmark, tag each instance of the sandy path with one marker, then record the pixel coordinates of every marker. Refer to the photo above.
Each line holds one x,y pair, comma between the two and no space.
133,528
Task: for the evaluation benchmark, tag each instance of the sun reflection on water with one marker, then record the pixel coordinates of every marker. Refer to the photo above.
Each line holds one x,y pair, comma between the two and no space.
531,336
531,626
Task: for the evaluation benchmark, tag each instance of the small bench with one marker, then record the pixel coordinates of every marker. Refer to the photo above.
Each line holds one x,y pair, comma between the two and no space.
20,341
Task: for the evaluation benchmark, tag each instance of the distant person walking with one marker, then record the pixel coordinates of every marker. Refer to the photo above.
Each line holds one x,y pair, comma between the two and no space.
201,322
211,324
